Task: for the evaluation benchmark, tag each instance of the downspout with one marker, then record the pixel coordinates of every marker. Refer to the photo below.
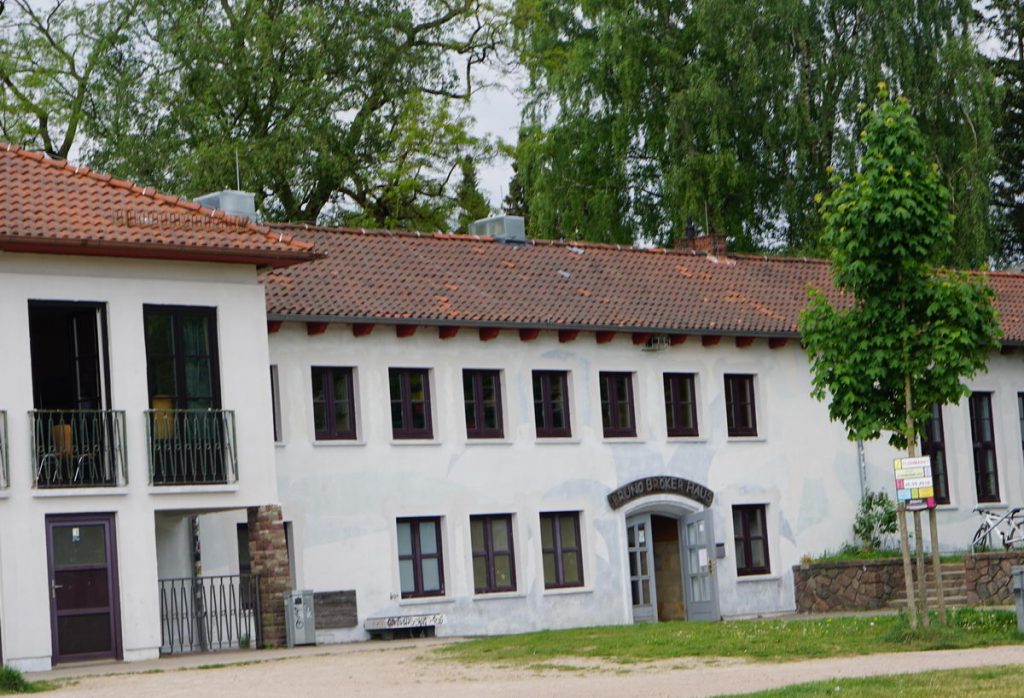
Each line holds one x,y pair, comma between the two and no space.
863,468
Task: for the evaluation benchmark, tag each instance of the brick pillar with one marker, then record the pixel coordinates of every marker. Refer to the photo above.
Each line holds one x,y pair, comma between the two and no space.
268,557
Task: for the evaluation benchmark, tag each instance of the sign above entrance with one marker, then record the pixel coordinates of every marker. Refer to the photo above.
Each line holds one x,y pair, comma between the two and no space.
662,484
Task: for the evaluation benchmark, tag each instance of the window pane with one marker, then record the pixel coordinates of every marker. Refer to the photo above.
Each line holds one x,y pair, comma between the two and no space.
194,334
756,530
428,538
164,379
549,569
490,416
431,574
502,571
318,384
499,535
395,381
567,524
159,334
570,569
741,555
405,572
342,417
396,415
404,539
197,378
480,572
547,536
476,528
419,415
416,386
341,384
319,417
757,554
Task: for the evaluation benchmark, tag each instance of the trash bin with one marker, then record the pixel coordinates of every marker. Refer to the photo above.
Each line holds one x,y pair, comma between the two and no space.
1017,575
300,618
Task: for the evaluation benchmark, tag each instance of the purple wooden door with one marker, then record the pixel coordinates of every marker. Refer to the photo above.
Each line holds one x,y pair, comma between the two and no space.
84,612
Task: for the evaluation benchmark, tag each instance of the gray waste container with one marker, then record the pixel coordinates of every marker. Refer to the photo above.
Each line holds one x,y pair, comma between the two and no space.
300,617
1017,575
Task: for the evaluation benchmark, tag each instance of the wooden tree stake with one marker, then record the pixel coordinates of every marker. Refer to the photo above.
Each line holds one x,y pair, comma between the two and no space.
922,582
908,575
933,524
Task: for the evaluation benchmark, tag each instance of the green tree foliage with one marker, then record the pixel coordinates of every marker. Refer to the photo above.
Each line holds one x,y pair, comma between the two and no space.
905,334
642,114
515,203
1006,19
471,204
347,112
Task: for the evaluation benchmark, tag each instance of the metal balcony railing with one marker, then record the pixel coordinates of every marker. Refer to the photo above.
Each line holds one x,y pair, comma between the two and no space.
191,447
205,614
78,448
5,481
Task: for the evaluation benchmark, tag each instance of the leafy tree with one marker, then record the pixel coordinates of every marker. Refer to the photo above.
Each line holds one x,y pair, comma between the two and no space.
336,111
1006,21
909,332
643,114
514,203
472,205
875,521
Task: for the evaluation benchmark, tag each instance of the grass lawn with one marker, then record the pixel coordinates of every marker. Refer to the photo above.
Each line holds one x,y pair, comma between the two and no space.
990,682
754,639
12,681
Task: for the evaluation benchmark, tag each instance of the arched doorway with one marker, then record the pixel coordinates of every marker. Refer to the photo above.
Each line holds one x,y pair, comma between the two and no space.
670,548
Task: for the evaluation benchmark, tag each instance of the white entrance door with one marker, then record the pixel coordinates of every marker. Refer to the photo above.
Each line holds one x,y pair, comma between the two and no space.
699,583
641,569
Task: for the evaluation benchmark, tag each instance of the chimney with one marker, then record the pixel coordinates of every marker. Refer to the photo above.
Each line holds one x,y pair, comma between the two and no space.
511,229
234,203
713,244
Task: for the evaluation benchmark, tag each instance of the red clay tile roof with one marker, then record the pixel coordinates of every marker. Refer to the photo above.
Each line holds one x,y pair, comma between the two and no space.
379,276
53,207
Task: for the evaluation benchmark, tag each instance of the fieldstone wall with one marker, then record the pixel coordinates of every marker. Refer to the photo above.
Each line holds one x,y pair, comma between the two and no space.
987,577
862,585
268,557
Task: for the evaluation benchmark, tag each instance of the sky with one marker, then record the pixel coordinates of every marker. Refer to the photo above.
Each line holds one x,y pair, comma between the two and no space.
496,110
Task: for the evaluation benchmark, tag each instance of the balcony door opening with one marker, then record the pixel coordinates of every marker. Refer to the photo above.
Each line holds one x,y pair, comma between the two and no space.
75,434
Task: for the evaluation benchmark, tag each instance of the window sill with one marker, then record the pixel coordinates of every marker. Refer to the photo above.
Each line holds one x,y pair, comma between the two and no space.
80,492
947,507
686,439
426,600
568,591
498,595
339,443
758,578
745,439
557,440
489,442
993,505
623,440
416,442
192,489
280,444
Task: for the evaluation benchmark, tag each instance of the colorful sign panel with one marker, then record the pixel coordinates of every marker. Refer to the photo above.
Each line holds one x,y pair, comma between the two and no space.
914,485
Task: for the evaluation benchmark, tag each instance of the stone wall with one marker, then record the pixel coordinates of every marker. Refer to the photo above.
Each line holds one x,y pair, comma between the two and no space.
268,557
987,577
826,587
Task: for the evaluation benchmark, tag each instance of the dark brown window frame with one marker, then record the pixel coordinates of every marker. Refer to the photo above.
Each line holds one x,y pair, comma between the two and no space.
177,313
417,557
933,444
980,447
275,403
609,388
744,538
732,411
558,550
675,405
476,377
327,381
545,430
406,430
488,554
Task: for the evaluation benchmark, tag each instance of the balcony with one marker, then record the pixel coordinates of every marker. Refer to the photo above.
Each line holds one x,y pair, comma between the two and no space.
191,447
78,448
4,472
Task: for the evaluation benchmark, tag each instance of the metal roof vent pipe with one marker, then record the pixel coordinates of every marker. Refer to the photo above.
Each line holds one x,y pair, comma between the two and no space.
510,229
232,202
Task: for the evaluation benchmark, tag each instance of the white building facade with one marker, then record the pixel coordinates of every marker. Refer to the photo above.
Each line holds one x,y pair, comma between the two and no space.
491,437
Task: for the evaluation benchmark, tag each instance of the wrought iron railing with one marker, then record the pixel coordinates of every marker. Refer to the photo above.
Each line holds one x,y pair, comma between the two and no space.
205,614
191,447
78,448
4,470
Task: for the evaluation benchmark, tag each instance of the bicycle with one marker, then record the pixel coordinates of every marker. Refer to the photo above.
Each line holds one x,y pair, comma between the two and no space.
1009,526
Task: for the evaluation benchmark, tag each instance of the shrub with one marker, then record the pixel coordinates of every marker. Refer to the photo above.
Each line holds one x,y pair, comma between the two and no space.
11,681
876,520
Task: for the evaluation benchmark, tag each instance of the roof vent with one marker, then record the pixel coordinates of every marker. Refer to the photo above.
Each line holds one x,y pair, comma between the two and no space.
231,202
504,228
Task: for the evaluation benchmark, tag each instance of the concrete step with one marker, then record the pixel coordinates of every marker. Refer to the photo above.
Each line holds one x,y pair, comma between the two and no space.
933,601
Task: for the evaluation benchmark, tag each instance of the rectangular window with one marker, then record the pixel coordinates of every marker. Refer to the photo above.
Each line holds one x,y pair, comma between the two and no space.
986,473
410,403
681,404
551,403
563,553
933,444
617,413
181,355
275,403
739,405
482,392
334,413
494,567
420,567
751,538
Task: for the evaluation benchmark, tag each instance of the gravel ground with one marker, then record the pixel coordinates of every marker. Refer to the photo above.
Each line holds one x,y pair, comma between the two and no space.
379,669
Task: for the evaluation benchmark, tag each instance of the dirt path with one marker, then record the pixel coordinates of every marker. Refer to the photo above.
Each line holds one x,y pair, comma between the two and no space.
376,670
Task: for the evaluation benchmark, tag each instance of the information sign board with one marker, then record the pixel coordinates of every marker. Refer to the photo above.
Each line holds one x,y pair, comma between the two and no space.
914,485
